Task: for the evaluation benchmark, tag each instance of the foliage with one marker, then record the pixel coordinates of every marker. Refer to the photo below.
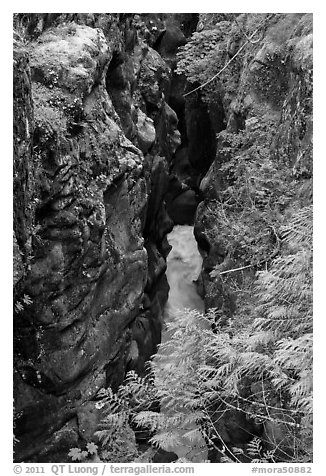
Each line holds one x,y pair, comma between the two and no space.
287,26
285,293
20,31
120,411
245,51
204,55
263,369
258,364
222,50
274,350
20,304
134,410
255,452
252,205
201,50
88,455
57,113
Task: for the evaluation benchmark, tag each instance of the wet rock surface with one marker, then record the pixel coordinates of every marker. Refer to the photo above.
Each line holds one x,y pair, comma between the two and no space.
93,133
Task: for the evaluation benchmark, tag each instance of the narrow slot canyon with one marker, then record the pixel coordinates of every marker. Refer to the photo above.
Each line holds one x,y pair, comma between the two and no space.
183,268
162,191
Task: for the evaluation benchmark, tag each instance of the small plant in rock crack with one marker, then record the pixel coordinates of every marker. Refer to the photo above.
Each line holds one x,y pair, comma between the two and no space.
21,304
88,455
254,452
258,455
20,32
118,427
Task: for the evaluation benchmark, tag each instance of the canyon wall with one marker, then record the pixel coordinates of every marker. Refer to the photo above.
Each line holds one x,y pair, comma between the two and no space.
110,151
93,136
261,174
266,96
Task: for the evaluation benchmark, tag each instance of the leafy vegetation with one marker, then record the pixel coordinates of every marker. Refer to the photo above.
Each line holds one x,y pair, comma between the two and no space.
201,376
205,373
203,56
257,198
88,455
215,56
115,433
26,301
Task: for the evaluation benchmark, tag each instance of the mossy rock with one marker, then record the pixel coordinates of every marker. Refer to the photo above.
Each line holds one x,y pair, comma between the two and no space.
69,56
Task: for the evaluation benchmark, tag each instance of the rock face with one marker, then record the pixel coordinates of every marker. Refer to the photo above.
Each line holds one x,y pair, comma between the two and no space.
271,89
92,134
267,95
197,129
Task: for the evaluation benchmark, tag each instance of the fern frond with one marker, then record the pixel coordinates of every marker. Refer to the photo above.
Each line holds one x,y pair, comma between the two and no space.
166,440
254,447
194,436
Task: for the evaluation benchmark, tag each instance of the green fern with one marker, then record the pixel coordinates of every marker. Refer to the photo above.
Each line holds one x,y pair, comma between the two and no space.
199,375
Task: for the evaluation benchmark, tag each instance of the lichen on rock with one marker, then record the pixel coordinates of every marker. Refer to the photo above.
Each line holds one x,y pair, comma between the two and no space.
83,188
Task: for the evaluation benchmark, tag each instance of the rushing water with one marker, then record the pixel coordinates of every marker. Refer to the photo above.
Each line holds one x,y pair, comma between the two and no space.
183,267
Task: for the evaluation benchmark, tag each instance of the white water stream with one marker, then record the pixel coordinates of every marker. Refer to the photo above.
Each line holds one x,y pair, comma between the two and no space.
183,267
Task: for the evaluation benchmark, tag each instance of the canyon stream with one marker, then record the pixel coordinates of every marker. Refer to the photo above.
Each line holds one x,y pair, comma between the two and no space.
183,268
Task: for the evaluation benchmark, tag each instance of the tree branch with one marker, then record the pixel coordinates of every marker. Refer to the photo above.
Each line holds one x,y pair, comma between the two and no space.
238,269
230,61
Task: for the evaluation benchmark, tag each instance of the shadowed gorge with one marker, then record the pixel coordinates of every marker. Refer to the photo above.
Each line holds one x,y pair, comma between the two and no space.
162,237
